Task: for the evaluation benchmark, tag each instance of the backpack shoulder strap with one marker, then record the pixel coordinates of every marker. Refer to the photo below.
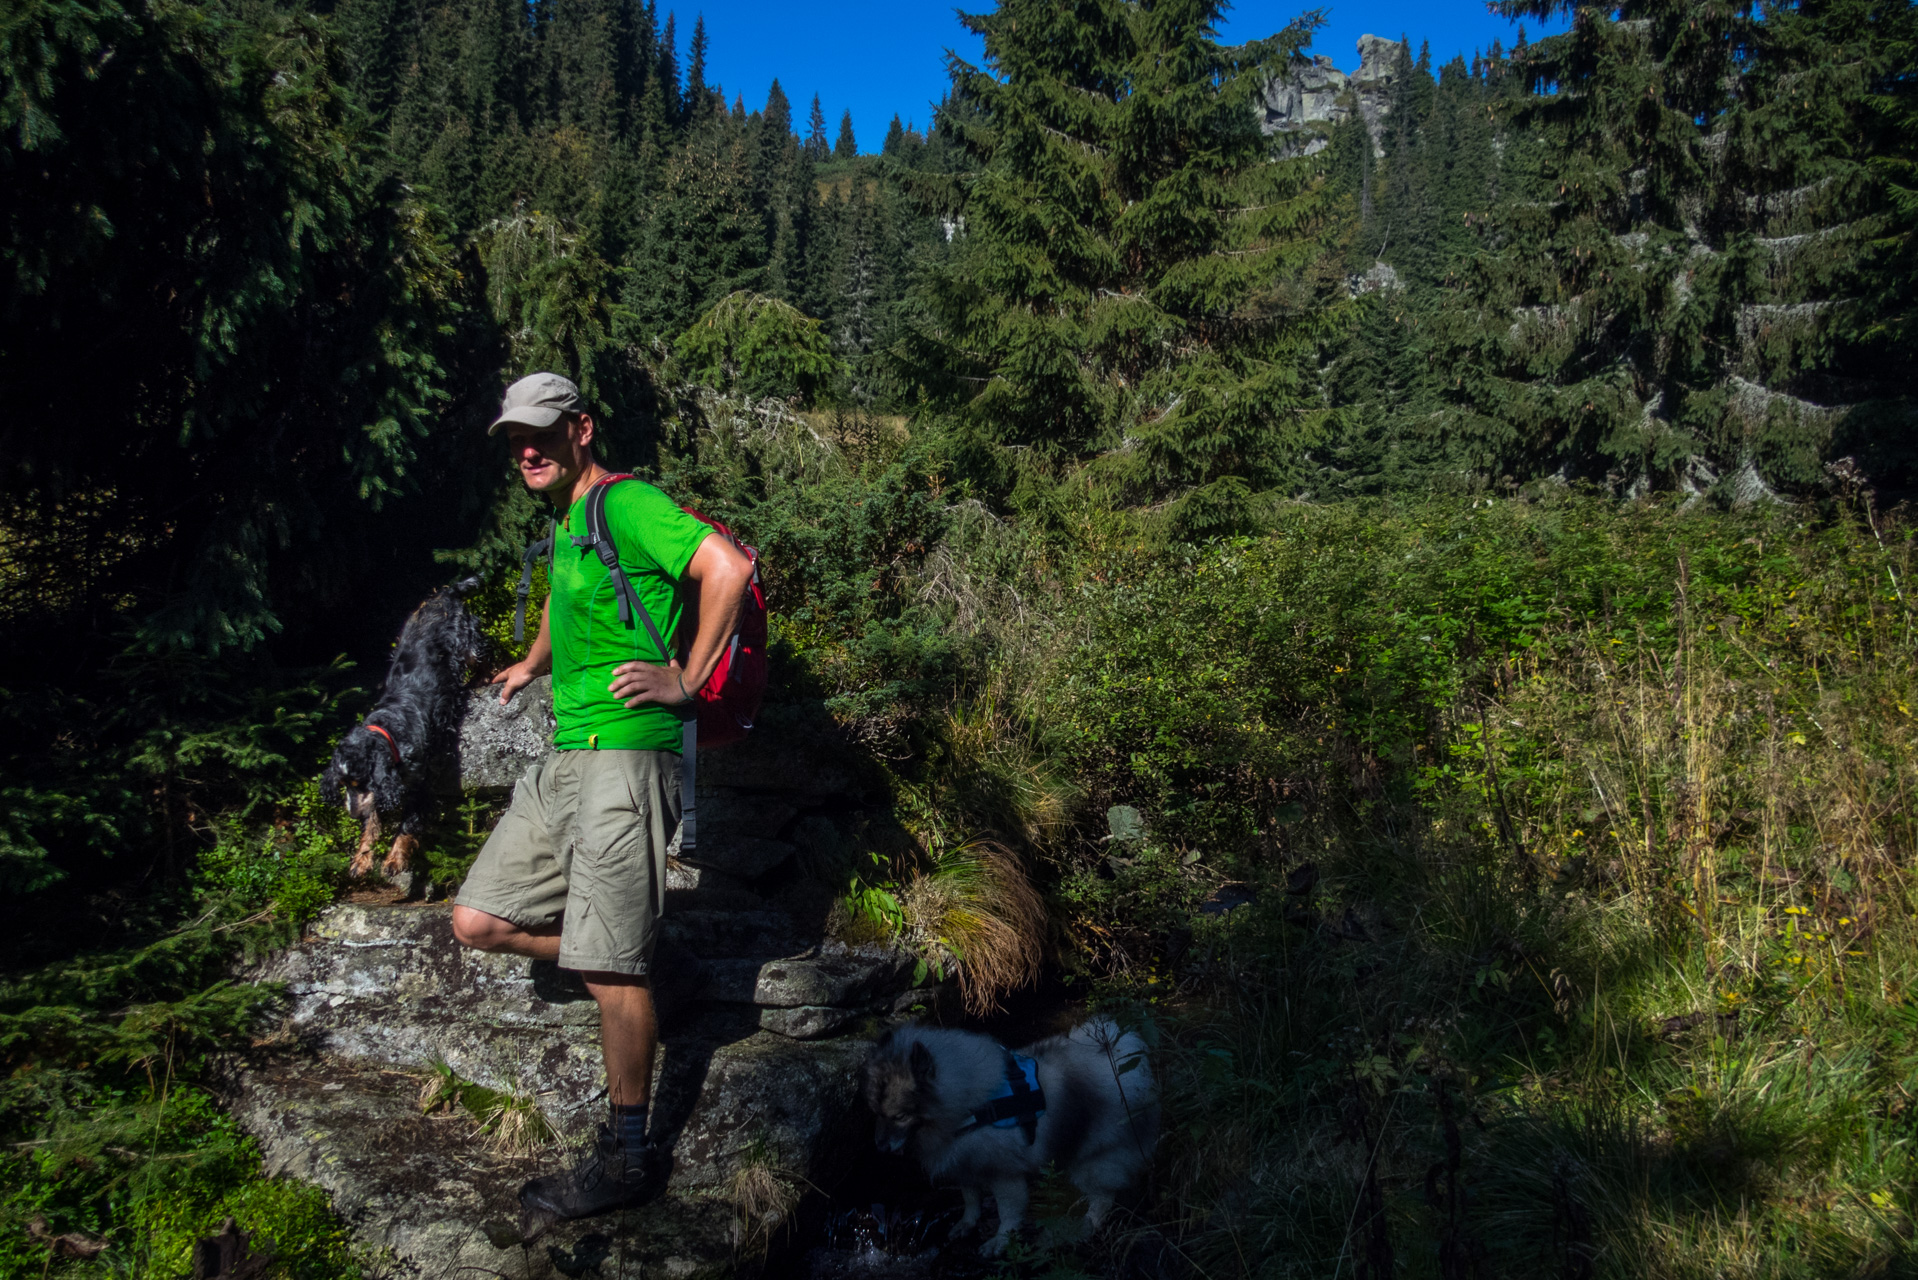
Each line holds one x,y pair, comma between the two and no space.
534,550
599,537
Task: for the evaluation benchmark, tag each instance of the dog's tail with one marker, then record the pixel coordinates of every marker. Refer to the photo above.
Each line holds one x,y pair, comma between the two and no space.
466,586
1124,1050
1124,1053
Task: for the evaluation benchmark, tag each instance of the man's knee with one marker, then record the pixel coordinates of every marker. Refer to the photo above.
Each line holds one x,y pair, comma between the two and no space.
602,985
481,931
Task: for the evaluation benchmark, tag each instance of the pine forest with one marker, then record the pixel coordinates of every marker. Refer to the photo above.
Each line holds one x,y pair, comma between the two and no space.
1385,577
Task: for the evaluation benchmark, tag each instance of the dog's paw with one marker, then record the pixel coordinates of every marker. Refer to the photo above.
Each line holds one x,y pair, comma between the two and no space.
399,858
995,1246
362,864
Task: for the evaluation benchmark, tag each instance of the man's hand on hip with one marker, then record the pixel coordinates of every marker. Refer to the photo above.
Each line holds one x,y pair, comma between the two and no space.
635,683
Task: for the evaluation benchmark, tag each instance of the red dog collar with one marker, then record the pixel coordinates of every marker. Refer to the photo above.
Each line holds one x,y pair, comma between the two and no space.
391,745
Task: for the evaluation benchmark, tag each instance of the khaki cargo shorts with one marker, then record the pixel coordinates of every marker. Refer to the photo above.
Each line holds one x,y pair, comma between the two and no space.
584,843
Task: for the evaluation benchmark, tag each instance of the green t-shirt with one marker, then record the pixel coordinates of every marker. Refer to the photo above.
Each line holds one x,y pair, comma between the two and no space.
656,541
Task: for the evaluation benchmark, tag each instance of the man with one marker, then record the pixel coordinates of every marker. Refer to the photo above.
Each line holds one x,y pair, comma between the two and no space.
575,872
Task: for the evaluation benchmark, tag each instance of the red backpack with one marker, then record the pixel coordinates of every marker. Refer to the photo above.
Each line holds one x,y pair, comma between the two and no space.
729,700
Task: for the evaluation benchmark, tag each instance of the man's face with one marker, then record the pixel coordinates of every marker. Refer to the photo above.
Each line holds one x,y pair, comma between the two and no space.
550,458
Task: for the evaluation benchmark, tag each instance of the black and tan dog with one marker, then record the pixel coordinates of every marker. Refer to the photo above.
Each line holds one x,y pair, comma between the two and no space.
380,767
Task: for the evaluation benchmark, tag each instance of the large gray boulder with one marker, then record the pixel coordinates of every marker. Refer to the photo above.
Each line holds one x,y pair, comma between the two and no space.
432,1197
750,795
498,743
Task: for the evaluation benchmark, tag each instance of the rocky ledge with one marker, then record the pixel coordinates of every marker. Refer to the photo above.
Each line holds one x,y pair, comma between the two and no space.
765,1019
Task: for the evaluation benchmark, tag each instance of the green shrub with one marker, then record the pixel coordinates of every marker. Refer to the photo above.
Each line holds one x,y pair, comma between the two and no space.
151,1175
293,867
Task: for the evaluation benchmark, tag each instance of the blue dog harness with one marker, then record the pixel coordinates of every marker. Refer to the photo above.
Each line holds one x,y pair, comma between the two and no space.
1020,1101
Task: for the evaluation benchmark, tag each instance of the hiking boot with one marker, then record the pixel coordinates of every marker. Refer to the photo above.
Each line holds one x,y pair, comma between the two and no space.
608,1176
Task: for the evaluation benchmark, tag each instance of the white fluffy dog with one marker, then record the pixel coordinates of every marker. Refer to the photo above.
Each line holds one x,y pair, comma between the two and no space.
970,1112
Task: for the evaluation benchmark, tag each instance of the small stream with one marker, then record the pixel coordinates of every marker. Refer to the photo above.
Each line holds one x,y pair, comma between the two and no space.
877,1242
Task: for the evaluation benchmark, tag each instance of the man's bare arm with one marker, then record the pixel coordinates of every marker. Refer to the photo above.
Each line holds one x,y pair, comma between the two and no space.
538,660
721,572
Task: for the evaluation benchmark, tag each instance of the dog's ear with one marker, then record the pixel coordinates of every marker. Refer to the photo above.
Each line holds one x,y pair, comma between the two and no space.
924,1069
385,782
330,781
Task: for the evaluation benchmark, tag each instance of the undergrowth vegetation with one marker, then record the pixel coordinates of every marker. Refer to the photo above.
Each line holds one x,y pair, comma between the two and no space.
1578,840
117,1156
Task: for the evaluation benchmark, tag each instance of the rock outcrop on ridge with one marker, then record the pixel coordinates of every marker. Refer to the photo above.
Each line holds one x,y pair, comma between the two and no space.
765,1020
1314,92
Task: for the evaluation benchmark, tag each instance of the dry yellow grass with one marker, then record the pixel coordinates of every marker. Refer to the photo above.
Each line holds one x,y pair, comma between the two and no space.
763,1197
976,903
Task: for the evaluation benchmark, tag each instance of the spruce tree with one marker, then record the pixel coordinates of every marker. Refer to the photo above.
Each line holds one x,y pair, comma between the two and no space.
1467,153
782,194
1382,381
1131,314
697,104
1409,232
895,134
1669,304
845,148
1891,319
704,239
377,36
667,76
817,148
635,29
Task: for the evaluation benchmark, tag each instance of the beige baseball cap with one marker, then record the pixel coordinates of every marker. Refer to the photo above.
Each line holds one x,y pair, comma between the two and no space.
538,400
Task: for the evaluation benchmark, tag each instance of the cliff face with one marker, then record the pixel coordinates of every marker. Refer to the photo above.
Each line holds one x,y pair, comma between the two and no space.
1313,92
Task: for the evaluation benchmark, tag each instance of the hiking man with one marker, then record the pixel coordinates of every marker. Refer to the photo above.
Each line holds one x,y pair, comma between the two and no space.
575,872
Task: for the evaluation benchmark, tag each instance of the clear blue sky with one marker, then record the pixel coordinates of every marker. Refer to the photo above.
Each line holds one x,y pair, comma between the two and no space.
880,58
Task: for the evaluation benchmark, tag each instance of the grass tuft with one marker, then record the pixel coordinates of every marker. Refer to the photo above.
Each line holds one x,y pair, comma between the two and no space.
975,904
763,1197
510,1118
